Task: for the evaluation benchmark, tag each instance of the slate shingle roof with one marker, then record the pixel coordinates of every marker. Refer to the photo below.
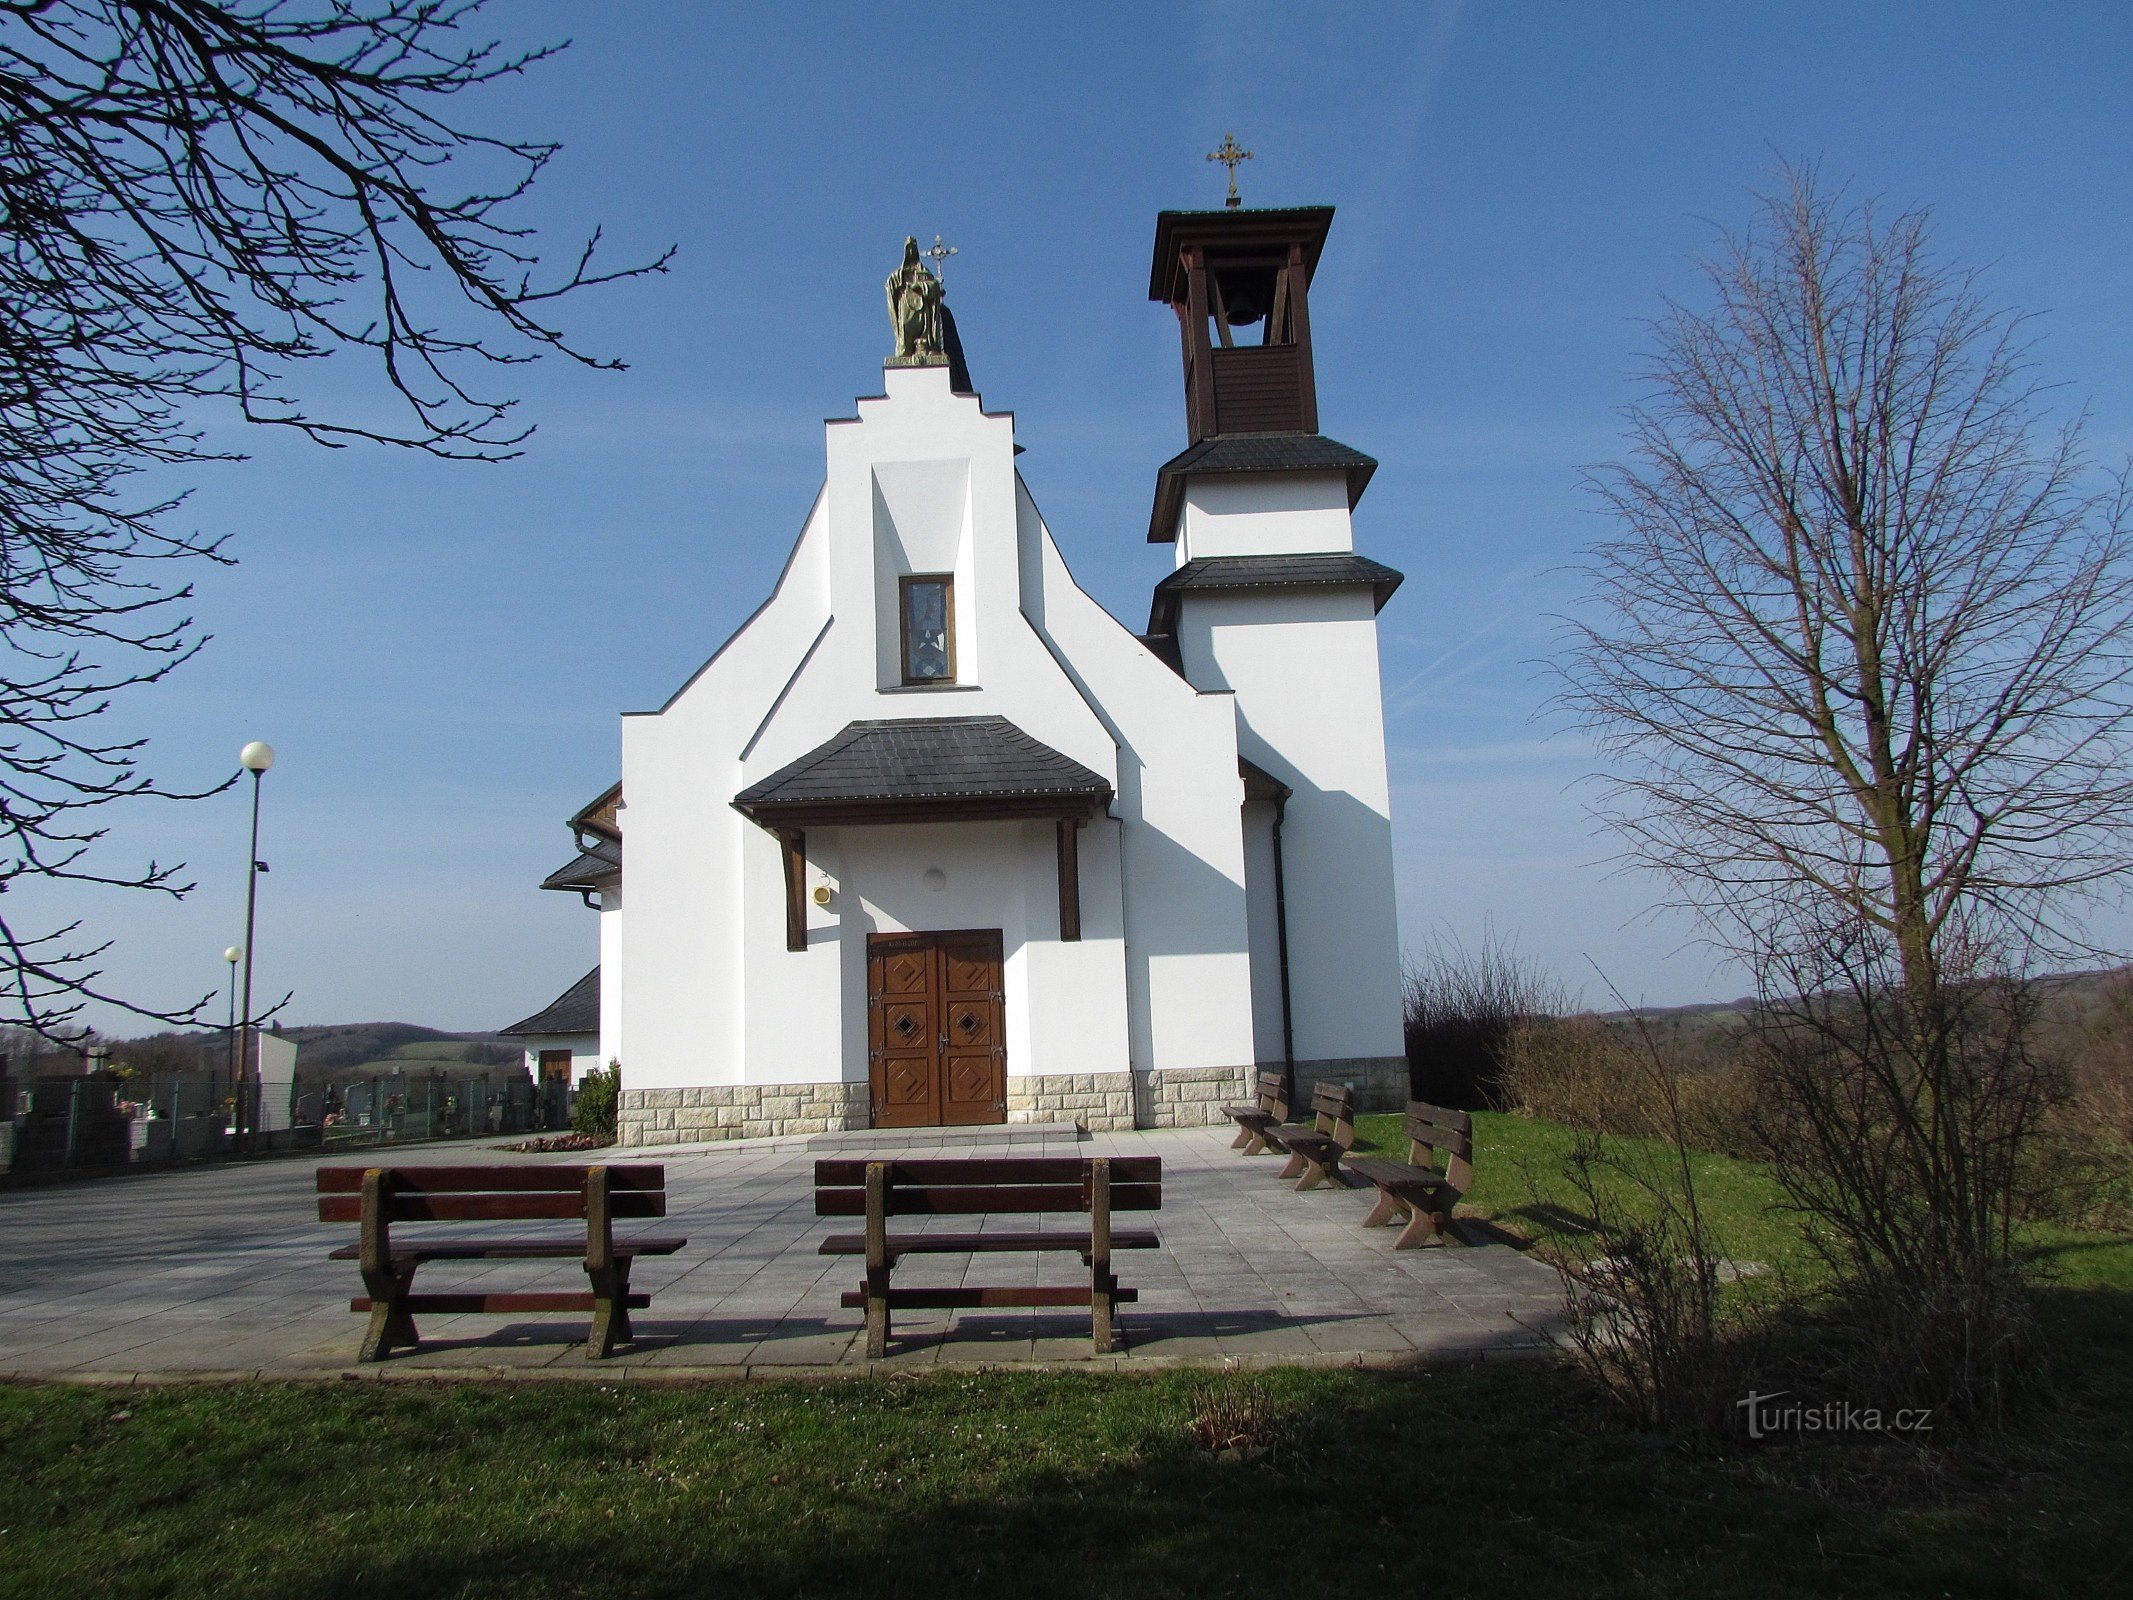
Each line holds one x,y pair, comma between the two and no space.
575,1010
1252,452
589,870
1268,572
958,762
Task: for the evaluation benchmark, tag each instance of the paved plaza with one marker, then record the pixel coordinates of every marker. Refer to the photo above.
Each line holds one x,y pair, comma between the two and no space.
223,1271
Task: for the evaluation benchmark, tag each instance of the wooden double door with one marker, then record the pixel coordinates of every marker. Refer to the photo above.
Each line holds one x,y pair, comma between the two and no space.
936,1040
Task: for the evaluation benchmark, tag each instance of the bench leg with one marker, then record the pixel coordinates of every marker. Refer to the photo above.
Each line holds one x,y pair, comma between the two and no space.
1293,1167
1390,1208
1243,1141
1315,1173
611,1311
1422,1226
392,1326
877,1287
878,1262
1103,1312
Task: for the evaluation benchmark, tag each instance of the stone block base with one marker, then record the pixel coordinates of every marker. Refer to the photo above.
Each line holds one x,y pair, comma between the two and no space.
1101,1102
650,1117
1191,1097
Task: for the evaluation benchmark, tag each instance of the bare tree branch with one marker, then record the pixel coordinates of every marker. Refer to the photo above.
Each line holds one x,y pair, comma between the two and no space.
195,197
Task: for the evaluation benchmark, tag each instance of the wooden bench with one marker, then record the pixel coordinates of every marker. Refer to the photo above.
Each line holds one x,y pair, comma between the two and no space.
880,1189
1315,1148
378,1197
1438,1170
1253,1120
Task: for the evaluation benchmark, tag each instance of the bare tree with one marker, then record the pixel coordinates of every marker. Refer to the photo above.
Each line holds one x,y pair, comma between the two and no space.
196,196
1858,652
1861,640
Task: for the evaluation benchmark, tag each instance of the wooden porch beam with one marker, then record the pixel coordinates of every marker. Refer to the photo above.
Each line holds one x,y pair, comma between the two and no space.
793,845
1069,878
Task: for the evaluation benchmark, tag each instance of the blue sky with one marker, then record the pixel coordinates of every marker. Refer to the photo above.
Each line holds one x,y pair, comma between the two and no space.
439,652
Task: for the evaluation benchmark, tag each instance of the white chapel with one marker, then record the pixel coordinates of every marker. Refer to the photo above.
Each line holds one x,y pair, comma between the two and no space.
934,839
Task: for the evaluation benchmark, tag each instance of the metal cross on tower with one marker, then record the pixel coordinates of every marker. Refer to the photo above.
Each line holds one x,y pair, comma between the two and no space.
1229,155
939,255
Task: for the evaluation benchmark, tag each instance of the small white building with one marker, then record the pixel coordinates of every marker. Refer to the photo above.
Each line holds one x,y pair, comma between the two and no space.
934,839
561,1042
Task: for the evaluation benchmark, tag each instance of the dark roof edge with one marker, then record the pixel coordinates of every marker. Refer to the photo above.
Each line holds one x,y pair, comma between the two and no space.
1245,226
587,871
1171,476
1260,784
567,1008
1215,574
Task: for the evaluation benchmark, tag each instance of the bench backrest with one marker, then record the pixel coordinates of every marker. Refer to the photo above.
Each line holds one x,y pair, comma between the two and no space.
1274,1095
1333,1112
491,1194
983,1185
1442,1140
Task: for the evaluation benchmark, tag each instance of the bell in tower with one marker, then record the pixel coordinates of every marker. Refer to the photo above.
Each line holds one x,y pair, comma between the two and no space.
1240,284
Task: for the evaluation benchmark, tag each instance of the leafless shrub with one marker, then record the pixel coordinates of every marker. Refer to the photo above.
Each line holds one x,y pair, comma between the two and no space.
1462,1007
1644,1315
1586,1072
2079,1168
1231,1416
1900,1123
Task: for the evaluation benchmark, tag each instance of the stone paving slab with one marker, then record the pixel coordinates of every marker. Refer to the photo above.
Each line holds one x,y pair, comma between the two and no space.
220,1272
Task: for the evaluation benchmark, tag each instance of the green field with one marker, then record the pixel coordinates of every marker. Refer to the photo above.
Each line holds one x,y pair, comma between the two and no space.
1511,1480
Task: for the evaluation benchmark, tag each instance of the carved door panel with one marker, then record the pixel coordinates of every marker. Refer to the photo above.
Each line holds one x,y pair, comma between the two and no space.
902,1032
973,1051
935,1025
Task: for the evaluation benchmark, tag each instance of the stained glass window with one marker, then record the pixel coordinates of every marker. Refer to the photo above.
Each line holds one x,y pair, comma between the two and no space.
929,614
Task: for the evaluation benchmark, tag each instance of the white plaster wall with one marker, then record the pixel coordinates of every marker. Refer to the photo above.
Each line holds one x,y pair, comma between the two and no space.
681,941
1265,925
1065,1002
1303,665
611,1035
1162,975
1181,847
921,524
1264,514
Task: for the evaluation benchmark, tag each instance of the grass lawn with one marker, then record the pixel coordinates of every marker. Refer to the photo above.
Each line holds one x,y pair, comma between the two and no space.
1519,1184
1509,1480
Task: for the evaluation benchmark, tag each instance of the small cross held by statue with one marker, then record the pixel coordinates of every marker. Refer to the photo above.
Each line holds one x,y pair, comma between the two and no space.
1229,155
939,255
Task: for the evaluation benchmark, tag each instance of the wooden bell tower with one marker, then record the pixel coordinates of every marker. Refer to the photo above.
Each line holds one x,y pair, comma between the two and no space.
1233,272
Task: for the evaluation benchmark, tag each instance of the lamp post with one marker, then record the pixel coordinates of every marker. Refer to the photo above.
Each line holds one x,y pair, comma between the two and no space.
232,955
255,758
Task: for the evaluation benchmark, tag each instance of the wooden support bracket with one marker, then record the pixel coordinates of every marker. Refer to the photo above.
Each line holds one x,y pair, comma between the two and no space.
1069,878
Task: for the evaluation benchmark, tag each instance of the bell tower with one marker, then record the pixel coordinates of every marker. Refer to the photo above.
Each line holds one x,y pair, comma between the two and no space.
1239,282
1271,604
1231,273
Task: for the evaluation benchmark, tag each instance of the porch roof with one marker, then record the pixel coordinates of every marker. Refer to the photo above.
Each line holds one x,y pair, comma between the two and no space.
589,870
575,1010
925,769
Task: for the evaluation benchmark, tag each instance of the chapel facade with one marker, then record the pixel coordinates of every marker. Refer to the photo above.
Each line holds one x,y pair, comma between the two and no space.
933,839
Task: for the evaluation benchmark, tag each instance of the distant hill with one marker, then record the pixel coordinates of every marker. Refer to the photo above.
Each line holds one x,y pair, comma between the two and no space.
348,1046
2065,998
